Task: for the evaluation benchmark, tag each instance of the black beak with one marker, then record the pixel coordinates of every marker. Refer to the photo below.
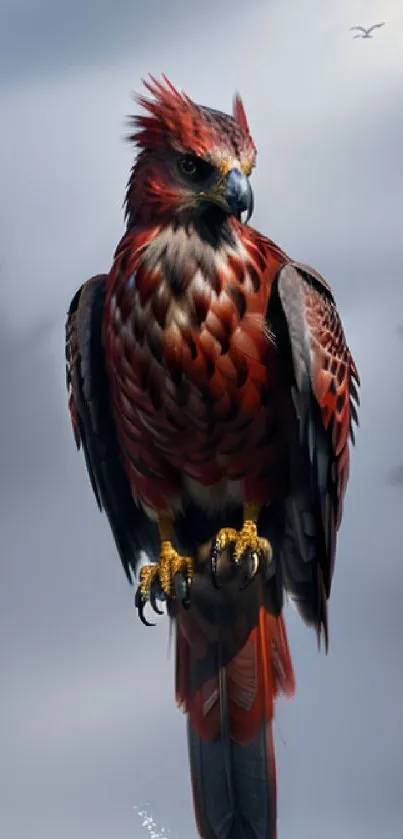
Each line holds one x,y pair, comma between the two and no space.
238,194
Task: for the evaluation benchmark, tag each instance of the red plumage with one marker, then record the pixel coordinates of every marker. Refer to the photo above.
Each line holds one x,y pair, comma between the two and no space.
173,119
199,361
213,391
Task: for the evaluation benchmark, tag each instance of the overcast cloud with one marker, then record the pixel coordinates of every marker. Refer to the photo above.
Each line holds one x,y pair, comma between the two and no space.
88,725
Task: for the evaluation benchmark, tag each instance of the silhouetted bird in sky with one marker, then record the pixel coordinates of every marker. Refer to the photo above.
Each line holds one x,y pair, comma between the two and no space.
365,31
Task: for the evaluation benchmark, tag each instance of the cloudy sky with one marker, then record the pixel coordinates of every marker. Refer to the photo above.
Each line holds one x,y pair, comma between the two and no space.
88,724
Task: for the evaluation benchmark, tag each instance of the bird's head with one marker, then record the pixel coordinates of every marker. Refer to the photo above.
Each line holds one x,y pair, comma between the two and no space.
193,162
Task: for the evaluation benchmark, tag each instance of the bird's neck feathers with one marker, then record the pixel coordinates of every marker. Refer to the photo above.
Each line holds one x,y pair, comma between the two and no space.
168,280
149,198
175,261
185,256
207,250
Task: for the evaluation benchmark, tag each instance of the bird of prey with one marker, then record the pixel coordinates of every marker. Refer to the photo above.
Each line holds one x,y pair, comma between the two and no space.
365,32
212,390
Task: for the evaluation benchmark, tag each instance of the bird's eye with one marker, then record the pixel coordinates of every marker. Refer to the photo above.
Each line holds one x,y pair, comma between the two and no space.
188,165
194,168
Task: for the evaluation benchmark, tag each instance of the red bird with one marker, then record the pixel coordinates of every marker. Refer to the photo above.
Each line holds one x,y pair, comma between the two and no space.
213,392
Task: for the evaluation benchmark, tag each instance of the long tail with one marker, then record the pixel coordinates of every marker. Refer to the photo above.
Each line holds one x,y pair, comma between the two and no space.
228,697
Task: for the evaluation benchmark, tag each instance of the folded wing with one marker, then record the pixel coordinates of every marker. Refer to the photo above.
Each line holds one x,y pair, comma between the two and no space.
94,428
324,382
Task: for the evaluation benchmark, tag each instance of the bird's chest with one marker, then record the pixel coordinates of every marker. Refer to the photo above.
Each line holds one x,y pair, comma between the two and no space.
204,390
193,369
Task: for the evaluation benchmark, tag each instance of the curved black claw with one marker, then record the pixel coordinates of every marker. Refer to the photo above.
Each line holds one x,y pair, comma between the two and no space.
153,600
182,589
213,566
140,603
245,567
221,571
249,564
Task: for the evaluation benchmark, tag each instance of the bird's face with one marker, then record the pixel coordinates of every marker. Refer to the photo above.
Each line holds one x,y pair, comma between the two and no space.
187,185
195,164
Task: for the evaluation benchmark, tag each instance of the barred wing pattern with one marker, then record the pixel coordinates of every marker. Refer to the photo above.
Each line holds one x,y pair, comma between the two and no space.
94,429
325,394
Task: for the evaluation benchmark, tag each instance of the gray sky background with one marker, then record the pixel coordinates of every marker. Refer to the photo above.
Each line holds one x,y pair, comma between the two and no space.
88,724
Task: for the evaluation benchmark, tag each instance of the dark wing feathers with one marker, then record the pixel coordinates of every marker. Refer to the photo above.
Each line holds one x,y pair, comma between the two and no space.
325,391
94,428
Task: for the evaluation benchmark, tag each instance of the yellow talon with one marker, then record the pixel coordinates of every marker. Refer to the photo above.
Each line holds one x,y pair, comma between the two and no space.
170,563
249,540
246,540
225,537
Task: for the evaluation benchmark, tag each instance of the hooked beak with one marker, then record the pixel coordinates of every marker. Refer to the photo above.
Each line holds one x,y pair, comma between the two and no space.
238,194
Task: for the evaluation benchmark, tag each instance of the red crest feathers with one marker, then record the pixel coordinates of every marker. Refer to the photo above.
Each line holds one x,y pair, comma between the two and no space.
173,120
239,114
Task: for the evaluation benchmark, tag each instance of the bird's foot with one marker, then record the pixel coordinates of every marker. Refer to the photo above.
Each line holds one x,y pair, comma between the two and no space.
249,551
167,579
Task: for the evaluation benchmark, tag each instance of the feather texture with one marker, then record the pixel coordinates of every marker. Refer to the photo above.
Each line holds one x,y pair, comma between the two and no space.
324,385
228,675
193,373
206,372
94,429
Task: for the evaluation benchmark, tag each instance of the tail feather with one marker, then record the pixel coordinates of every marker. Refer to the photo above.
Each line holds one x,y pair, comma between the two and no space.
229,702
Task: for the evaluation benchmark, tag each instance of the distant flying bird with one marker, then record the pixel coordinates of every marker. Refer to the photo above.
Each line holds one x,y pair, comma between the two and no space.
365,32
